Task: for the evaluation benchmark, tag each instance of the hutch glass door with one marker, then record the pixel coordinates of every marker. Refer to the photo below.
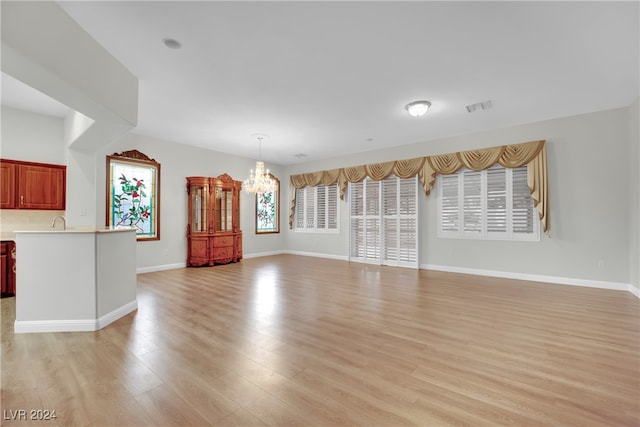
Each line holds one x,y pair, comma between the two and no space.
199,211
224,209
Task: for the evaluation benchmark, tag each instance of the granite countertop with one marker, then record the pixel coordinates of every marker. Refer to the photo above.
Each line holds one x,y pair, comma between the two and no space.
11,235
85,230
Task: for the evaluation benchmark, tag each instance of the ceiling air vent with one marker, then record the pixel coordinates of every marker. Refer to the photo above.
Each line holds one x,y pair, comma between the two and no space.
300,156
486,105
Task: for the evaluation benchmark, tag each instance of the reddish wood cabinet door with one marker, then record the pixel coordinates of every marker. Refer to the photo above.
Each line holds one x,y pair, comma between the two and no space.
4,262
198,251
8,261
41,187
7,185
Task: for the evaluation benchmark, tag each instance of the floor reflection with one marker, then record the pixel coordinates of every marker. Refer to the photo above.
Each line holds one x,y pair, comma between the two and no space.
266,297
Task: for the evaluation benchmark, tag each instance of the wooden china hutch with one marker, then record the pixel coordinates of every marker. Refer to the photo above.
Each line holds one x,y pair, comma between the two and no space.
213,228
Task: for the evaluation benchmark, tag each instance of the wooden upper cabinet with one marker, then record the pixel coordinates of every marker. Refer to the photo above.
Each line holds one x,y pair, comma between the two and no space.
7,185
34,185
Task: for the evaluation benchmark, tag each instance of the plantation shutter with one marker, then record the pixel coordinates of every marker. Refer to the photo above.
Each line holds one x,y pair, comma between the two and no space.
310,208
384,221
450,203
497,200
472,202
372,220
300,207
523,213
390,218
364,200
321,202
494,203
332,209
356,208
408,222
317,209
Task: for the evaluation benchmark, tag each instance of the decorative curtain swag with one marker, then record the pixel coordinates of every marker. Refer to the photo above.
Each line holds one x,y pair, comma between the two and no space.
533,154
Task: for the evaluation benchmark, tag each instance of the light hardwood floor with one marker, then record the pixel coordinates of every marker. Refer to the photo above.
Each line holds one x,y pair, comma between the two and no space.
287,340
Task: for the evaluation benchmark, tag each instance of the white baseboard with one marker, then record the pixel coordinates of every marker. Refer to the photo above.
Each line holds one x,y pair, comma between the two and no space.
261,254
479,272
532,277
318,255
160,267
154,268
36,326
80,325
117,314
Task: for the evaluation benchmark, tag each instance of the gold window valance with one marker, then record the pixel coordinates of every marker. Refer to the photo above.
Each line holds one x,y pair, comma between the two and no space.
533,154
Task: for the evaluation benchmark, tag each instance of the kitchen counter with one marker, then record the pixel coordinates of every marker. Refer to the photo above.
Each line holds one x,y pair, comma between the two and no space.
78,279
60,230
11,235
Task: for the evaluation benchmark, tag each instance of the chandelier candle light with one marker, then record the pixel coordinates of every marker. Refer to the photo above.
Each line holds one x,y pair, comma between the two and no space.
260,182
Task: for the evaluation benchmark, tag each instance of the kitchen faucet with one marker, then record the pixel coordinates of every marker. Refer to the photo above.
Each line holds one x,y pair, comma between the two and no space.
64,222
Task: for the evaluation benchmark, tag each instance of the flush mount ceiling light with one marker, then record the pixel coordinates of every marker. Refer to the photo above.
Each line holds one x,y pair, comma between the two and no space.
418,108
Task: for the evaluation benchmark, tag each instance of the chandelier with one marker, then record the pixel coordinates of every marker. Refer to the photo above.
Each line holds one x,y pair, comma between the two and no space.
260,182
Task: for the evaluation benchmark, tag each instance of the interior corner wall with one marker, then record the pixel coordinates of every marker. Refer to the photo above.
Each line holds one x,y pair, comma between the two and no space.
634,195
588,174
178,161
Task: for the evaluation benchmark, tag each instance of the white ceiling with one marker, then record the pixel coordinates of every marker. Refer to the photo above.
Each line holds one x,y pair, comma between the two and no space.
332,78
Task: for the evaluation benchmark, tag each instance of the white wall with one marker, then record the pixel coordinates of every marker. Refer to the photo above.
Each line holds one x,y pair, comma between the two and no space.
589,240
634,195
587,154
176,163
32,137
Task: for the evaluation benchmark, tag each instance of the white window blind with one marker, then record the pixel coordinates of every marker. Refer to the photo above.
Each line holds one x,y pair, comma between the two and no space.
472,202
497,200
524,217
450,203
384,221
364,201
356,211
317,209
491,204
300,203
321,217
332,208
372,219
